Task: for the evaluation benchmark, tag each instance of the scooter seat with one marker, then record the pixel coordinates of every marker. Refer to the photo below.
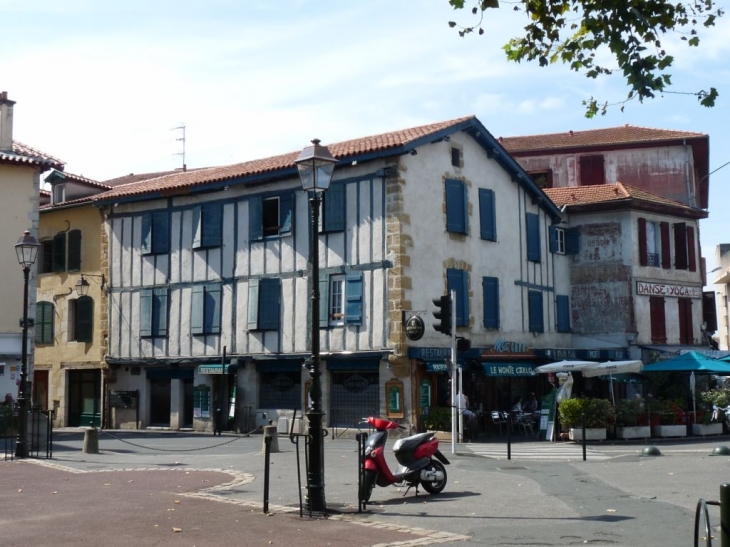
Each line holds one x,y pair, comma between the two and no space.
409,444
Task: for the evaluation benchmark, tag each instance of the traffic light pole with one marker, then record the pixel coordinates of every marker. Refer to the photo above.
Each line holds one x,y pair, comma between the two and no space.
454,372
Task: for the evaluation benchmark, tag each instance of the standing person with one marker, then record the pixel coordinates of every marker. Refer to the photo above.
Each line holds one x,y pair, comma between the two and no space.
462,406
8,400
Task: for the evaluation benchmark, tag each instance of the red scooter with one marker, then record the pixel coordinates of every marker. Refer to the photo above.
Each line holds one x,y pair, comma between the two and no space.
418,455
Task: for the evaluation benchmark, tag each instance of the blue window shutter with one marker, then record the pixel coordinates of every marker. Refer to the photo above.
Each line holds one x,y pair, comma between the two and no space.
256,218
490,286
159,316
285,213
562,303
197,228
145,312
553,235
197,308
487,214
212,309
269,304
324,300
534,304
74,251
533,237
84,319
458,281
146,241
353,295
572,241
160,233
59,253
334,208
455,206
212,225
253,304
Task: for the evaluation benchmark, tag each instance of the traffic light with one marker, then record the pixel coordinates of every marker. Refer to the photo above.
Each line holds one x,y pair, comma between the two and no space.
443,314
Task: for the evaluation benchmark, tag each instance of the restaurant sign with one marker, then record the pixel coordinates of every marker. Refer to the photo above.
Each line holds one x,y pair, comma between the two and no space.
498,369
662,289
505,349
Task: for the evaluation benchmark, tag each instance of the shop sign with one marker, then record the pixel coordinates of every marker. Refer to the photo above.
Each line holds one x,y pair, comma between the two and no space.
509,370
662,289
504,348
415,328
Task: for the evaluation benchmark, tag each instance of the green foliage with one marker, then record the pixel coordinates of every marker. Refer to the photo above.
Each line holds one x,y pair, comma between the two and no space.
668,411
575,32
597,412
438,419
629,413
717,397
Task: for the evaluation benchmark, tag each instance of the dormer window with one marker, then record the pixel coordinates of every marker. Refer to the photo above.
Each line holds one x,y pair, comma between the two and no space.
59,193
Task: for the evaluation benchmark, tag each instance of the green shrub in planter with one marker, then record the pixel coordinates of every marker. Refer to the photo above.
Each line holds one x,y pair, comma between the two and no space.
438,419
629,413
597,412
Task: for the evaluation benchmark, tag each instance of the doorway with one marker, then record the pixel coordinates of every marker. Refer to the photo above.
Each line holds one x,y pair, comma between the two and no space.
160,390
84,398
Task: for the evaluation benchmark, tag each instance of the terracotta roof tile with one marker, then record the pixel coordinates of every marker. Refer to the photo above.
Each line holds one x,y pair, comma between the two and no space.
625,134
602,193
181,180
22,153
79,178
137,177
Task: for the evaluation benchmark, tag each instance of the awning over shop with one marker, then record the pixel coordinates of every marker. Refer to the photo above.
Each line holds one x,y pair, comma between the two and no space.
217,369
497,368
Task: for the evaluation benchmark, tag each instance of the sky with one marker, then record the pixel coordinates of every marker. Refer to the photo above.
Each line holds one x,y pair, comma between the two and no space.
105,85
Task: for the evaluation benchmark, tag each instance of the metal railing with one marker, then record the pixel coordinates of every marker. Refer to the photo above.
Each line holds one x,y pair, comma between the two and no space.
703,528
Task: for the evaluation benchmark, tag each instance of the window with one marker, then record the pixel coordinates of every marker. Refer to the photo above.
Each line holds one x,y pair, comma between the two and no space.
206,309
458,281
333,217
490,286
270,216
685,257
487,215
686,332
340,299
46,258
156,233
81,319
59,193
153,313
62,253
44,323
544,179
562,306
456,212
654,244
564,242
533,236
457,157
74,251
208,226
658,322
264,304
534,304
591,170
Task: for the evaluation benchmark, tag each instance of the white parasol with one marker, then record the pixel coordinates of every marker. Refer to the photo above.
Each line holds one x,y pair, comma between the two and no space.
564,366
610,368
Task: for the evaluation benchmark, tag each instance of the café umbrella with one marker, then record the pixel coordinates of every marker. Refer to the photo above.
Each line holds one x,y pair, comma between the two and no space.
564,366
610,368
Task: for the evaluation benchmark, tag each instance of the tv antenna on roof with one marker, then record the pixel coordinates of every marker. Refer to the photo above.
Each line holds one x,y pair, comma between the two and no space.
181,139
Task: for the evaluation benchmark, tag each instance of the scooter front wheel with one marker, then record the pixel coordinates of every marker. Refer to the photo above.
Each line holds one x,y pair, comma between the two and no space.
435,487
367,485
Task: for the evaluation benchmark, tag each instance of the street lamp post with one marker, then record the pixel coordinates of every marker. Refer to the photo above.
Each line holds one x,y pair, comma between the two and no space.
27,250
315,164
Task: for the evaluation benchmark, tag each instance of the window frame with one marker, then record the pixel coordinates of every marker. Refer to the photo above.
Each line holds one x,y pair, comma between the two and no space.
81,326
336,301
256,216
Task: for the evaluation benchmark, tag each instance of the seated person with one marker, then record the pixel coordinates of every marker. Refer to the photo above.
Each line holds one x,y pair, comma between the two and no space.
530,405
517,406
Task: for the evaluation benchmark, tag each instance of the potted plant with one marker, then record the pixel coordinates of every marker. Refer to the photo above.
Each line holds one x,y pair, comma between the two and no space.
710,421
596,413
670,418
438,419
631,420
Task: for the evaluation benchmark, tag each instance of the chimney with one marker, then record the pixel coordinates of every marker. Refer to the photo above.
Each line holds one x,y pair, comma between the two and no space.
6,123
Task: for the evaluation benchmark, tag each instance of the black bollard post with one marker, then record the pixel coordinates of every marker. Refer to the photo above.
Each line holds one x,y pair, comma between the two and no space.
583,430
267,466
360,457
509,436
725,515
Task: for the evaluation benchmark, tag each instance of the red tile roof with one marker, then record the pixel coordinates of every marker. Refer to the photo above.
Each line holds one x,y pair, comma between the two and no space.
137,177
180,181
625,134
22,153
70,177
603,193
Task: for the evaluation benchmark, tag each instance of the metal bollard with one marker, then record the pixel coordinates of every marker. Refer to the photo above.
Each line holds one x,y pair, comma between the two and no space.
91,441
725,515
271,433
583,433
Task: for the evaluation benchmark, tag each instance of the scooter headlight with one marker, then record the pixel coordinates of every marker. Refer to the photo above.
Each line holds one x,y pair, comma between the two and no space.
368,450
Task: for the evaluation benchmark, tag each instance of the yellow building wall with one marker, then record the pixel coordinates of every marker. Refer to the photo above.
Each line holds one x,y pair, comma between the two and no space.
59,288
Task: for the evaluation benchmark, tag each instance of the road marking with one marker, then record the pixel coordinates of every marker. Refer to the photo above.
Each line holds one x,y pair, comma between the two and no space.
536,451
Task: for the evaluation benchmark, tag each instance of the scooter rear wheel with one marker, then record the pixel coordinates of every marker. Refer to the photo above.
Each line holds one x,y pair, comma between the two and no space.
435,487
367,485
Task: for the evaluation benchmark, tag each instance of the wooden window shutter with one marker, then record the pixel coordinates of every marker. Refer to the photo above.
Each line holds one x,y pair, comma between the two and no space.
197,228
458,281
44,323
666,245
197,309
74,251
490,287
658,320
456,206
353,298
159,312
286,212
686,333
269,304
146,236
562,303
84,319
691,252
535,313
680,246
334,209
256,218
253,304
592,171
533,236
160,232
487,215
572,241
212,311
212,225
145,312
324,300
553,239
643,259
59,253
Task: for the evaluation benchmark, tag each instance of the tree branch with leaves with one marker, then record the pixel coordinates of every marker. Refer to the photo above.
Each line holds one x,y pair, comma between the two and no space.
574,31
